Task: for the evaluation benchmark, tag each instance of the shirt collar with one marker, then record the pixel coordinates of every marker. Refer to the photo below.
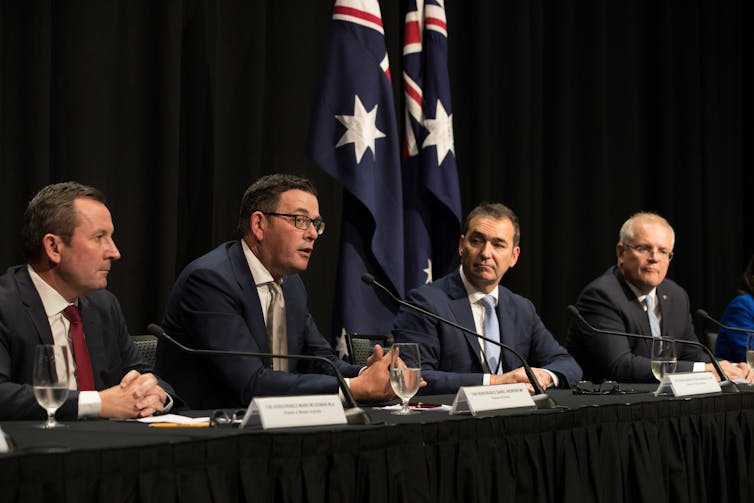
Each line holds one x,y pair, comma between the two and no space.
641,296
52,301
473,293
260,273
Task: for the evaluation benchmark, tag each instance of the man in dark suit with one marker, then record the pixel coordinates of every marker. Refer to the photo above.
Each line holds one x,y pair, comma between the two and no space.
225,300
451,358
67,240
626,298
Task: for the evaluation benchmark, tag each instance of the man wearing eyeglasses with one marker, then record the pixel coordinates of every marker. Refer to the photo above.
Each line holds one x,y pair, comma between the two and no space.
634,296
246,295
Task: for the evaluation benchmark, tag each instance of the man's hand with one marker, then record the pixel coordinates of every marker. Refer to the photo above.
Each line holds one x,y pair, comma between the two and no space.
379,352
734,371
519,375
137,395
373,384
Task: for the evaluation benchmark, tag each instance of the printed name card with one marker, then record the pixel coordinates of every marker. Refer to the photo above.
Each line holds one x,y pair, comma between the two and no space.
293,411
473,399
688,383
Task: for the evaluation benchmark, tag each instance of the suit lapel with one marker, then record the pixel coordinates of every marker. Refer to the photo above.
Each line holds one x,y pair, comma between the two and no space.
639,319
250,297
461,309
35,310
509,335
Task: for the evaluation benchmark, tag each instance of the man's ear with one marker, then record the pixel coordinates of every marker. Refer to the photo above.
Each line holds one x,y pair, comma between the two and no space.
52,244
257,225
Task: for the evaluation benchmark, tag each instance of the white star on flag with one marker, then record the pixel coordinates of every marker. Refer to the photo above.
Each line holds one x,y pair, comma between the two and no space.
440,133
361,129
341,347
428,270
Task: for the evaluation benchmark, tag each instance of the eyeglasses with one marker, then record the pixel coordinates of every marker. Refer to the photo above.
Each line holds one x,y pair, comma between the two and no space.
646,251
301,221
222,418
603,388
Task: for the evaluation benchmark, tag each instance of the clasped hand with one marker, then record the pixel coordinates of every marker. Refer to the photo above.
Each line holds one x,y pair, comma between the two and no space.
137,395
373,384
519,375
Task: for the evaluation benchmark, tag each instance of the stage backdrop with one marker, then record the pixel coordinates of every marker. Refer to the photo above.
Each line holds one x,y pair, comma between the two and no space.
575,113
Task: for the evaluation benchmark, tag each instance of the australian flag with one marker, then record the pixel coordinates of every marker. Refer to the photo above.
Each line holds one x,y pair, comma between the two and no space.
353,136
432,200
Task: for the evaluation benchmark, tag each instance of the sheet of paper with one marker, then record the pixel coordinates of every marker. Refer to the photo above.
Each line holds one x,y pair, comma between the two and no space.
173,418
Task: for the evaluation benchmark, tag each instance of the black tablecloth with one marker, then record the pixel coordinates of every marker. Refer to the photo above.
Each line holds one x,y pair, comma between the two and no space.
593,448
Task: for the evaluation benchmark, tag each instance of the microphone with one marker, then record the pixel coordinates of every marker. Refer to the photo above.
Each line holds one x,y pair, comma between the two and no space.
354,413
725,384
542,399
706,316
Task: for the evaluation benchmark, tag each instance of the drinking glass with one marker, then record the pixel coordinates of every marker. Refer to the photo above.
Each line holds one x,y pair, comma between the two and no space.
663,358
750,350
50,380
405,373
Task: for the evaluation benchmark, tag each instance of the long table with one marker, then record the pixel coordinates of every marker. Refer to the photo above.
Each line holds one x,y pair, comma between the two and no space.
609,448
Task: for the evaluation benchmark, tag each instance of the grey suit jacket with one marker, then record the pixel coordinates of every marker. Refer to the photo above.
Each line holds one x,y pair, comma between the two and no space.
24,325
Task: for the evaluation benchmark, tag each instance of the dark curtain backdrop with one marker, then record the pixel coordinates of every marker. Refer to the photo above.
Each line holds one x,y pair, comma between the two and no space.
575,113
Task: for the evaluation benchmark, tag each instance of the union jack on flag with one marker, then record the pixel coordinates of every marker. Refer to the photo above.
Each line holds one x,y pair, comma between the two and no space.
432,202
353,136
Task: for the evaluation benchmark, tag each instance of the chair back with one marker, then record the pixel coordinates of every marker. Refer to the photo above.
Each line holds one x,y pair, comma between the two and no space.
710,338
361,346
146,346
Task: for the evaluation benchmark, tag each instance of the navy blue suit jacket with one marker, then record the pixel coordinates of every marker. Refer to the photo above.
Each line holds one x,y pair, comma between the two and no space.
214,305
24,325
451,358
609,303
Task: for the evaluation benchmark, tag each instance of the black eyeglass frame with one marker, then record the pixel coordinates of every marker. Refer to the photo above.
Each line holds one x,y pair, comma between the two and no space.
301,222
222,418
603,388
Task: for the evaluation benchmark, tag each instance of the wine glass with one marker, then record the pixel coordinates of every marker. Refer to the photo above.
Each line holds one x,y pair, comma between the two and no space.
50,380
663,358
750,350
405,373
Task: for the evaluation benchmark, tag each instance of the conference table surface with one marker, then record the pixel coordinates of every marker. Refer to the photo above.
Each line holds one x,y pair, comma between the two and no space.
615,447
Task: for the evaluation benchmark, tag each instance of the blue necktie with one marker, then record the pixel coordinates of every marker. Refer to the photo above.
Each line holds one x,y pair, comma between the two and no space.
654,323
491,331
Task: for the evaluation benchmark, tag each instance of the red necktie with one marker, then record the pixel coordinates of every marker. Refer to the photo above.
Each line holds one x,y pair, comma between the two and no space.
84,373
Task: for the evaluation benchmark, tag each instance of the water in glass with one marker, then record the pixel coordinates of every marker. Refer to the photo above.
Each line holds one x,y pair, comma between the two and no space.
50,380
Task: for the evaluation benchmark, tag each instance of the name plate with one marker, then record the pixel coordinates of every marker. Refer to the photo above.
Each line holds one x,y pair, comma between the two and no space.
293,411
688,383
473,399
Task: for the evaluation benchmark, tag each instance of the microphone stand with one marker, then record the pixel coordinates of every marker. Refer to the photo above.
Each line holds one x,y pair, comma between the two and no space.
541,399
726,385
354,413
706,316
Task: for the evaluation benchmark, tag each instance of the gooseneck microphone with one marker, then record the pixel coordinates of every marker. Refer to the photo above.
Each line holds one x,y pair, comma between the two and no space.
354,413
725,384
542,399
704,314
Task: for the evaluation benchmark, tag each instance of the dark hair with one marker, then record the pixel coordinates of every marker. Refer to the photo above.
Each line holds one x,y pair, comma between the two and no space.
497,211
51,211
264,195
747,278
